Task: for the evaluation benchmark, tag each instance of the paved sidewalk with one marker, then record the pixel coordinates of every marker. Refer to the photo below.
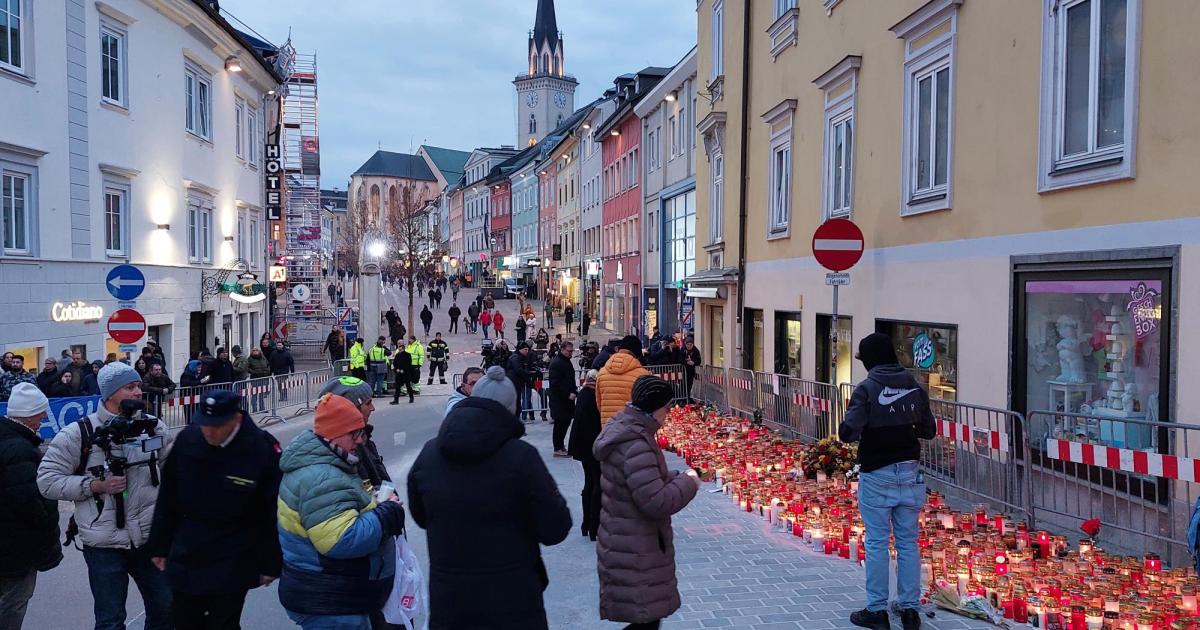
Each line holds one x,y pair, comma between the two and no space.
734,570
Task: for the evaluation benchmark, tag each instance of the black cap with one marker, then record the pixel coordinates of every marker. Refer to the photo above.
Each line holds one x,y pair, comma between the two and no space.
876,349
216,408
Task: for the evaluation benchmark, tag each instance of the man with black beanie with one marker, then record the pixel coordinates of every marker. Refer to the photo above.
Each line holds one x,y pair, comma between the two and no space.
888,415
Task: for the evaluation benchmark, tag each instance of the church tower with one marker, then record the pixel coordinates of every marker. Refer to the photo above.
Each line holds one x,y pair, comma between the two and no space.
545,92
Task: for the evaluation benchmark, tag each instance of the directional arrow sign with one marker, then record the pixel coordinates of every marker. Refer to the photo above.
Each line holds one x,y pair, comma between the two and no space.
125,282
281,330
126,326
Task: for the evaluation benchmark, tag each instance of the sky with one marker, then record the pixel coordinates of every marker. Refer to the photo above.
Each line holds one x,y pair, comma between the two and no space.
395,74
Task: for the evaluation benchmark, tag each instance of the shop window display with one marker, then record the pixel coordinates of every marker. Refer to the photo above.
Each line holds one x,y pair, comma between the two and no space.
1094,347
930,351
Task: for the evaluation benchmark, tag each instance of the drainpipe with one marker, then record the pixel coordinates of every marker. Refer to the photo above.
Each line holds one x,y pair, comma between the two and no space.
739,334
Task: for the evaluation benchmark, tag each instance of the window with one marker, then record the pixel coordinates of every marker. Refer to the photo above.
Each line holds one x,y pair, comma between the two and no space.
651,224
255,249
783,6
679,237
239,128
532,124
112,64
674,148
252,137
116,208
840,85
12,38
779,121
650,140
240,236
930,37
15,212
716,200
198,103
199,229
718,35
1089,64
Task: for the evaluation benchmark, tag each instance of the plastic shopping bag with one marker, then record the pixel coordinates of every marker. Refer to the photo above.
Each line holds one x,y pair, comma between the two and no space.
407,599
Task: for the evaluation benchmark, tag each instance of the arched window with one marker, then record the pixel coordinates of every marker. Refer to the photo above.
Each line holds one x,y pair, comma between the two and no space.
546,62
559,123
532,124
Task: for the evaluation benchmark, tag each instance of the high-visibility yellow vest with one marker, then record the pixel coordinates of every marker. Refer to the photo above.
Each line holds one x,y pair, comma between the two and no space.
358,358
378,354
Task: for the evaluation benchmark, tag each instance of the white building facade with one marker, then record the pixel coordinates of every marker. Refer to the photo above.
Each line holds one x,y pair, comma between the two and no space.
150,152
477,207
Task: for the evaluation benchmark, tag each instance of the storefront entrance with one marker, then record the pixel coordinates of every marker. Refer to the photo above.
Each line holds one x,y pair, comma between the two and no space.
787,343
929,351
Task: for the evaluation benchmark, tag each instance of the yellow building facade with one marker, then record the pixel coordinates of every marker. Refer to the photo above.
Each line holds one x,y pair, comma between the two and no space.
1022,173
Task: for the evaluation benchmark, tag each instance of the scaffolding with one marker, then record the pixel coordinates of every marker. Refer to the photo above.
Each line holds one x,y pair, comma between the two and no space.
301,155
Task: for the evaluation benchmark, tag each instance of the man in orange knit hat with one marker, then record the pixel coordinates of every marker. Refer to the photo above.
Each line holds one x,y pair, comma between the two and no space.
327,519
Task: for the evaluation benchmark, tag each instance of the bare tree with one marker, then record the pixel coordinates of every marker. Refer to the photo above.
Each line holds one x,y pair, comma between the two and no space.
409,233
354,228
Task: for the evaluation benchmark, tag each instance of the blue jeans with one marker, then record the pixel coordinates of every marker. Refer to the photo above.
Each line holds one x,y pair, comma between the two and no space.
109,571
378,382
330,622
485,330
890,500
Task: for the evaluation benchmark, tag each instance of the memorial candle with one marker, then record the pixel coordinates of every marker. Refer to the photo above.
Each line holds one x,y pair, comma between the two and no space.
1153,562
1188,595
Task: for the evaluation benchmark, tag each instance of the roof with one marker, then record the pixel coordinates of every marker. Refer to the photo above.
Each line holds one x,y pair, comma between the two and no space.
451,163
389,164
545,26
632,88
213,10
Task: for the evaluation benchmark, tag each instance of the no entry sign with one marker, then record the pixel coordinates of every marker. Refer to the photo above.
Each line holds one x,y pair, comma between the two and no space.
838,244
126,326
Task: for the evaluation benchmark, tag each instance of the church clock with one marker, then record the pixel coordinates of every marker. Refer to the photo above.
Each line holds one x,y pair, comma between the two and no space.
560,99
531,99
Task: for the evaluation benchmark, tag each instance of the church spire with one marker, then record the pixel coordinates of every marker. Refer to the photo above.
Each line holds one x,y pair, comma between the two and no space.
545,26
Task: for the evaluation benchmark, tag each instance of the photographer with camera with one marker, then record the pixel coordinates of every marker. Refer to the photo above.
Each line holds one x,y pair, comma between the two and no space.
214,530
107,464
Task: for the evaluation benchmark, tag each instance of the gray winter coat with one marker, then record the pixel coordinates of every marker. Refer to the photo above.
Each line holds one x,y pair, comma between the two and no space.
56,479
636,550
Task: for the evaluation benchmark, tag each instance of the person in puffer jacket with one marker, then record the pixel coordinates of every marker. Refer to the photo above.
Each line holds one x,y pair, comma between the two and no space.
615,382
636,550
339,556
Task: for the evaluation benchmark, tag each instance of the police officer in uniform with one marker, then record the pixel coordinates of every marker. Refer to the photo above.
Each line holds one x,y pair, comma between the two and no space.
439,357
214,524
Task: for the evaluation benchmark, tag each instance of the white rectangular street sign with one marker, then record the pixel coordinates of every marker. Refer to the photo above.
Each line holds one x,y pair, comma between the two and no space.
841,279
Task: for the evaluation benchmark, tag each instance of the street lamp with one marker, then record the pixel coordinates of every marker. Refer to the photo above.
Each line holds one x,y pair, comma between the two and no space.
377,249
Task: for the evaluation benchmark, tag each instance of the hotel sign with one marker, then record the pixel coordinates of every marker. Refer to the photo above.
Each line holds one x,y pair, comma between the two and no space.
273,166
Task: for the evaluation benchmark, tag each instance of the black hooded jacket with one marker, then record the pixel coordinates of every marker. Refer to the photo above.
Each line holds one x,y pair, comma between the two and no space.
487,501
888,413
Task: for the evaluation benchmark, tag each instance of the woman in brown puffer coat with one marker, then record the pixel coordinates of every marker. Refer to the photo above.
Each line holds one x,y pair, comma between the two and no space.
636,551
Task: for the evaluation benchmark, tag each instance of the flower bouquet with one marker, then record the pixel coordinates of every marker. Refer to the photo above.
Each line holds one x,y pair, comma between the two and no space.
829,456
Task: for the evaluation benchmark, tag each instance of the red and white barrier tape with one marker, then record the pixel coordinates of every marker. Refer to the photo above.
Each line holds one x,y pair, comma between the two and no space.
812,402
960,432
1124,459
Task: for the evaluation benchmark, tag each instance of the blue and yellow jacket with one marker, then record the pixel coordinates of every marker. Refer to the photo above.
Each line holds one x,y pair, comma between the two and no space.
336,558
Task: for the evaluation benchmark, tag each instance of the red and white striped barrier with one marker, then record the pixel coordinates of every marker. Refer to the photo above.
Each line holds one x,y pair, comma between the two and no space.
813,403
299,380
1124,459
962,432
185,399
743,384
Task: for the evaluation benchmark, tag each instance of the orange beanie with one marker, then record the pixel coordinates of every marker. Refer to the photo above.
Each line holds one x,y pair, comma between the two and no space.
336,417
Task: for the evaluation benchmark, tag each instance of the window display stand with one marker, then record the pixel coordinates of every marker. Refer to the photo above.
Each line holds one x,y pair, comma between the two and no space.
1069,397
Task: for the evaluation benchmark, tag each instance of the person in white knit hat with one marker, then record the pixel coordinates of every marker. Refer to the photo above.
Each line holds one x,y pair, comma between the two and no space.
28,523
113,553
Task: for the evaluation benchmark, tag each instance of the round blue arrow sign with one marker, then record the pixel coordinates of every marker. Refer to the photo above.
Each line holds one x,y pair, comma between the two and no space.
125,282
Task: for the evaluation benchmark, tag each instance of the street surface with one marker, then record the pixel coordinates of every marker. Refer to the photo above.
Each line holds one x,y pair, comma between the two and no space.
734,570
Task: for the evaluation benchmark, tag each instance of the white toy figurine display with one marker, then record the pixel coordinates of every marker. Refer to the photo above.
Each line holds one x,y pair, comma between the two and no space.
1070,359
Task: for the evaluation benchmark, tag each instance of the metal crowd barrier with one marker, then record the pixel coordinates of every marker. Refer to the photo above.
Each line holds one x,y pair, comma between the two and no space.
675,377
268,399
710,387
1137,476
743,400
979,455
809,409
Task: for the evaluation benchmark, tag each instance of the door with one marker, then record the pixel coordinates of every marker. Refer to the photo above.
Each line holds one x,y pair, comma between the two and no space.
787,343
196,326
845,352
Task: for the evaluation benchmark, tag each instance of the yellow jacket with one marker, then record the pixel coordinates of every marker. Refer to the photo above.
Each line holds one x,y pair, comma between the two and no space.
614,386
417,351
358,357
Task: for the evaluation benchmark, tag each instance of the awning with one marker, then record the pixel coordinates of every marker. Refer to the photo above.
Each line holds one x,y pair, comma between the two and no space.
712,277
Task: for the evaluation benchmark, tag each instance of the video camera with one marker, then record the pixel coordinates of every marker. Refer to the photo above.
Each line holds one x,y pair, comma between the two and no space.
133,425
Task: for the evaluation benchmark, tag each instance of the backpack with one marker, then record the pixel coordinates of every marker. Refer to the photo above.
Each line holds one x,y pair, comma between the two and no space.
86,435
